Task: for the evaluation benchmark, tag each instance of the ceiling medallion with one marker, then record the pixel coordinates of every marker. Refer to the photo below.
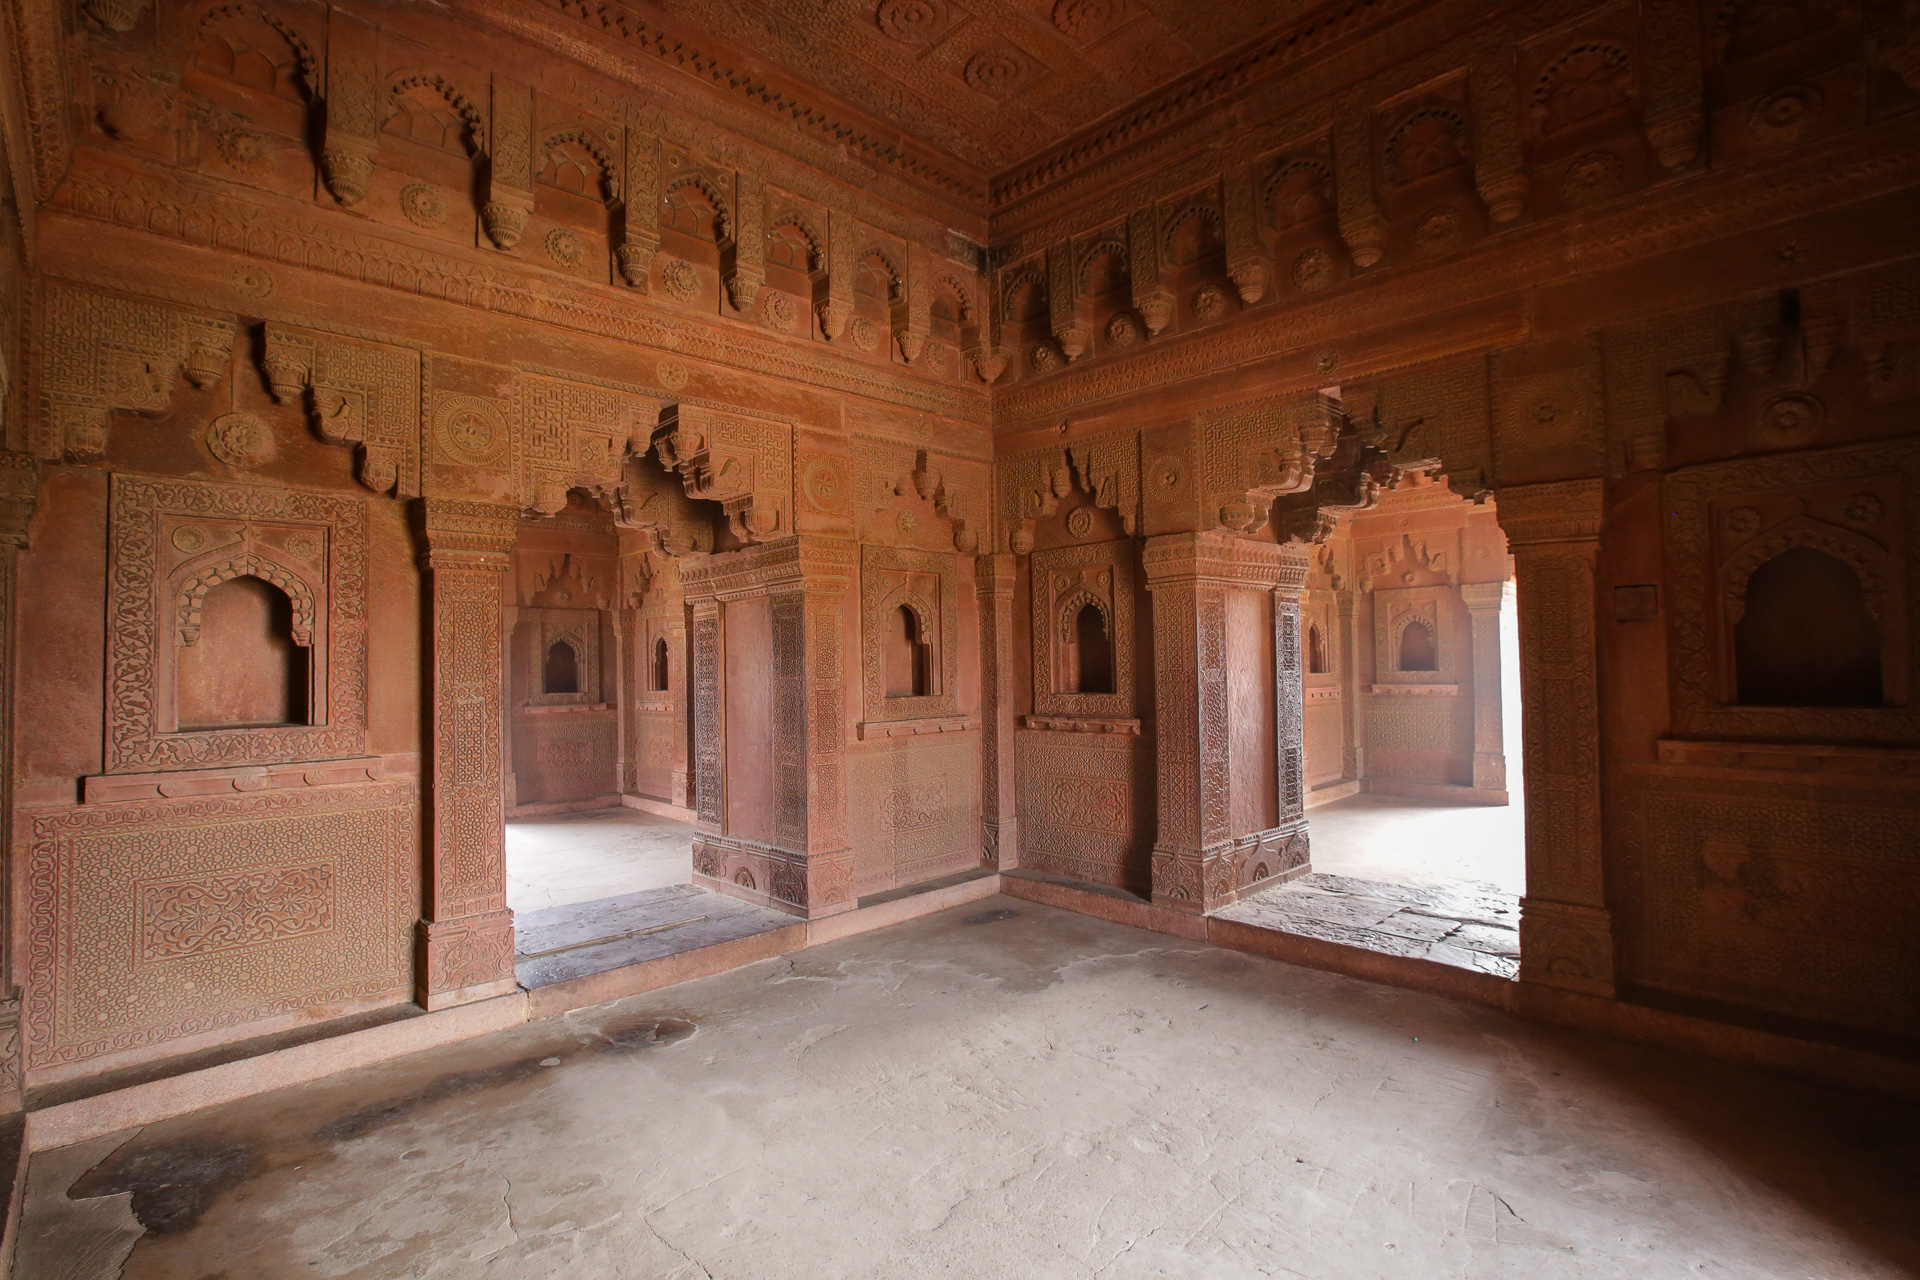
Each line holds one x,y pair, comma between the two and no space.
997,71
914,22
1085,20
1786,114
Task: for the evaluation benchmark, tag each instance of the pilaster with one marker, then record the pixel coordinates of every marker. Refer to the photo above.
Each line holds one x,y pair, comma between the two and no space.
1566,931
1207,854
1485,601
1352,726
19,494
466,932
994,578
801,861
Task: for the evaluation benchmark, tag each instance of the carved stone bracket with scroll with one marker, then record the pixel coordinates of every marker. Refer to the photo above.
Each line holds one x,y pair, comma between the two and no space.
744,464
357,393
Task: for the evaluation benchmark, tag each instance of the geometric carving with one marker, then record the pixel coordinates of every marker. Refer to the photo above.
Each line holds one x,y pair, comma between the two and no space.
170,542
98,353
157,920
364,393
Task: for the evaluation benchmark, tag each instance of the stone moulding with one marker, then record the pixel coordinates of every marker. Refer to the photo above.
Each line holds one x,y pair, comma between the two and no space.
873,730
179,784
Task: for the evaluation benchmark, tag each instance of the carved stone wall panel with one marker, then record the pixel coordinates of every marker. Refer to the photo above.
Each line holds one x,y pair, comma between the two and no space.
358,393
1790,499
926,583
913,808
169,540
96,353
745,464
574,433
1773,894
470,446
1444,412
563,756
1066,580
154,922
1086,806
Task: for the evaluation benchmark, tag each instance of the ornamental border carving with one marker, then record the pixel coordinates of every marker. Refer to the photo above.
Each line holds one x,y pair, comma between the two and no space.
1118,557
1687,493
875,563
141,622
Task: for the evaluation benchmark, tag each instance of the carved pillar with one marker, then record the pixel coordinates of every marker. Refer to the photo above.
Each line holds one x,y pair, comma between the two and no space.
629,656
19,494
1484,601
1151,296
1352,727
353,106
843,253
1566,933
1063,301
772,798
510,167
1499,170
466,935
1362,224
1247,260
746,261
1674,116
1208,851
999,815
680,686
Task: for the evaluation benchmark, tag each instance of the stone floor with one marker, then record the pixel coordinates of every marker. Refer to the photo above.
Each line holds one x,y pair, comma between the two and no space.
1470,927
1004,1090
565,858
571,941
1414,842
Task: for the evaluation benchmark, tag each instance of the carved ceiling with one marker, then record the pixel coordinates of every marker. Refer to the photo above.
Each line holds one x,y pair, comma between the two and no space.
992,82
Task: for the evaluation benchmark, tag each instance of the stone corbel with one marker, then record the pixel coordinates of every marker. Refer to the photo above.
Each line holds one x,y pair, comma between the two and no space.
743,464
1674,115
744,262
990,359
123,354
358,393
640,223
352,115
843,256
1063,302
1362,223
1499,169
510,167
1152,297
1248,262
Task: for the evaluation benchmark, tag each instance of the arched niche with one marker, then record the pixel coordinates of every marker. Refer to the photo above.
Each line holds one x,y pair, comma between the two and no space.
1416,647
908,652
248,663
560,667
1807,636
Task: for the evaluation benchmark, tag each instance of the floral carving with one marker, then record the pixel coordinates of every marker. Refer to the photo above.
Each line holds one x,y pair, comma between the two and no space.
1123,330
914,22
782,312
1209,303
865,333
1785,115
996,71
565,248
422,205
1313,270
680,279
240,440
1593,177
1439,228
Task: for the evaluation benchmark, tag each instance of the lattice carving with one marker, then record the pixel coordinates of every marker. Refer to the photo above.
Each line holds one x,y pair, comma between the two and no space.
98,353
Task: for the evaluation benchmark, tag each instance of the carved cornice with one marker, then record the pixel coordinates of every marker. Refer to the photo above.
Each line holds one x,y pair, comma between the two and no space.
807,561
1551,513
1878,160
33,31
1203,90
1218,559
814,114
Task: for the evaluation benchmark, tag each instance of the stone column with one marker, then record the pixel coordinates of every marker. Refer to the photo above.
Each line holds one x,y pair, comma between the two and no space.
1484,601
1200,860
801,860
629,661
19,494
679,690
466,934
1566,931
1352,728
999,813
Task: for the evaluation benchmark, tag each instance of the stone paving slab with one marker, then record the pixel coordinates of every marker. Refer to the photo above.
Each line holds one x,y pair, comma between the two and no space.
1470,927
638,927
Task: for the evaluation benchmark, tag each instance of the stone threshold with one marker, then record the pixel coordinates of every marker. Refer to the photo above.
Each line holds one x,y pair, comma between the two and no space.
1876,1065
63,1113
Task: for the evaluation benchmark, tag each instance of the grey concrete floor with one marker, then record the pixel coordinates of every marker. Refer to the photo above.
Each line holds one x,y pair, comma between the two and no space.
564,858
1429,846
1005,1090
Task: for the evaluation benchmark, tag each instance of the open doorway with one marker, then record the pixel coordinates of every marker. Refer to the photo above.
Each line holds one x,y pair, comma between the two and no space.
1412,736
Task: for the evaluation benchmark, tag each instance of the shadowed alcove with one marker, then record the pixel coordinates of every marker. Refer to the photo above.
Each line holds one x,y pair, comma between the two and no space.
245,668
1806,638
